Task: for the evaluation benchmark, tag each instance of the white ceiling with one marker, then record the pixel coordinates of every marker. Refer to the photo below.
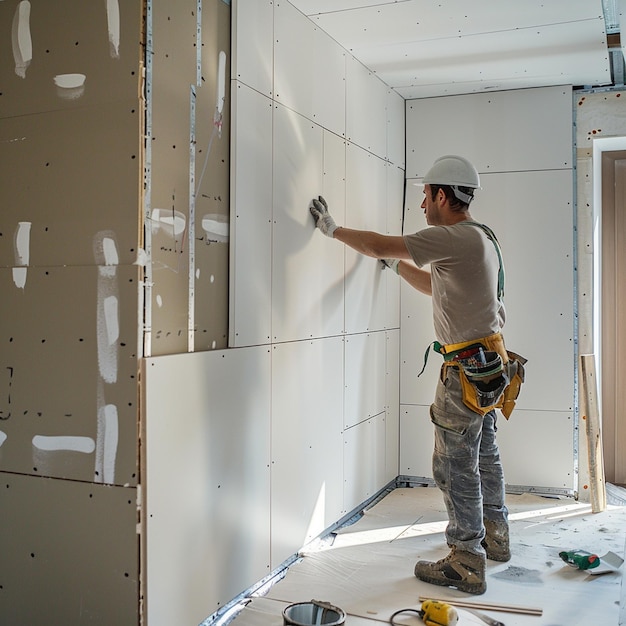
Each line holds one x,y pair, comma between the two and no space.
424,48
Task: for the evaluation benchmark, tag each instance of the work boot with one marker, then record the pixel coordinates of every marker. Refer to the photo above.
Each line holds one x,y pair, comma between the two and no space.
496,541
463,570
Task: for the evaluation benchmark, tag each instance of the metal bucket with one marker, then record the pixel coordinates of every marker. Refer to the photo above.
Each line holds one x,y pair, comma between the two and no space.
313,613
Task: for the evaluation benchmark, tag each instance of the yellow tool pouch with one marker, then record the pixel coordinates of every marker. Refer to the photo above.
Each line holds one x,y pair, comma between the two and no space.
491,376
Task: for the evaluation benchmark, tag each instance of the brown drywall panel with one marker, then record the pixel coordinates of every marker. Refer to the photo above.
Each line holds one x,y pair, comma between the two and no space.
212,202
99,40
69,552
68,373
71,174
189,139
173,74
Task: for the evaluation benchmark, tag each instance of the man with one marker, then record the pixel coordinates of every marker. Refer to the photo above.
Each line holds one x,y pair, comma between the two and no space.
466,282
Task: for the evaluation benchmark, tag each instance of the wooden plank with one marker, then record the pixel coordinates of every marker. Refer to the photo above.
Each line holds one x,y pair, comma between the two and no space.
593,429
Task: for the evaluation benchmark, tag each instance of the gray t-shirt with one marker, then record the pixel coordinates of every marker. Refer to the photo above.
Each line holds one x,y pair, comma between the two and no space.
464,274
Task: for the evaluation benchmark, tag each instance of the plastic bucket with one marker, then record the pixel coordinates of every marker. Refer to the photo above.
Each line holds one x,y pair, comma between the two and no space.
313,613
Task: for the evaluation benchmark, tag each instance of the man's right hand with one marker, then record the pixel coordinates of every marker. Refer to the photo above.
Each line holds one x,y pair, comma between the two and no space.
323,219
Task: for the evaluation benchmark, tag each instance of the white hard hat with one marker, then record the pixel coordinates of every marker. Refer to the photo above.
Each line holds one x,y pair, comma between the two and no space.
455,171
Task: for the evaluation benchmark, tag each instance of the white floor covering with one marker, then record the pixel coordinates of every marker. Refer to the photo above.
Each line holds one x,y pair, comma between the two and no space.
368,569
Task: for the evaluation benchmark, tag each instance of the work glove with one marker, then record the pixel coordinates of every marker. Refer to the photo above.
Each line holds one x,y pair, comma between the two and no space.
323,219
391,264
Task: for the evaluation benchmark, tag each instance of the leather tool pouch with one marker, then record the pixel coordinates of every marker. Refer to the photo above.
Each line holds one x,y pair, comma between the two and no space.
487,383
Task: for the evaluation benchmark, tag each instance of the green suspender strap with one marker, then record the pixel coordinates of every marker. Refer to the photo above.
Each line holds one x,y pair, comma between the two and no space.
496,243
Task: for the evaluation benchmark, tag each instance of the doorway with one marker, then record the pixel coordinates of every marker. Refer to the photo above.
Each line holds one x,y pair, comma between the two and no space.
613,314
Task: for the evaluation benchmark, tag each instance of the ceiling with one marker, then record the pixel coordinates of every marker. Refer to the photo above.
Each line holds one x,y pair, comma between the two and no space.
425,48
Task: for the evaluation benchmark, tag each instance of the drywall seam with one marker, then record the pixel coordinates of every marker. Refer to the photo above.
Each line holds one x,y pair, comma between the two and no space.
22,254
106,439
147,198
198,43
21,38
192,219
86,445
108,333
113,23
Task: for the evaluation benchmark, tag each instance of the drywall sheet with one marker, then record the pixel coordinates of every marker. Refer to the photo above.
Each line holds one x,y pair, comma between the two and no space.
314,83
363,461
209,280
530,211
366,108
207,477
365,279
66,55
307,268
365,384
499,132
395,218
426,48
253,45
70,552
251,218
69,177
188,217
68,373
537,448
392,406
417,440
168,225
396,110
307,442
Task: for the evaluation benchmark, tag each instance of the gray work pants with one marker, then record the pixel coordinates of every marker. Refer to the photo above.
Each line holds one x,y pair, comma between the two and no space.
466,465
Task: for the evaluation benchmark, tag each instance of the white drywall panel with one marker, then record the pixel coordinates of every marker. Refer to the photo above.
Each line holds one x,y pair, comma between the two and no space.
207,478
314,7
416,321
363,461
313,84
365,381
532,216
392,406
253,44
433,19
307,442
537,448
395,202
532,57
307,268
250,218
366,208
366,108
417,441
529,129
396,135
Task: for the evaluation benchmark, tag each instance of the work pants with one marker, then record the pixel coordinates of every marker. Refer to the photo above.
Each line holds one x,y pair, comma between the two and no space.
466,465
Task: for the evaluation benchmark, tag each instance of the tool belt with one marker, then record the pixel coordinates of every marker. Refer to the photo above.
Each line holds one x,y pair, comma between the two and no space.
491,376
